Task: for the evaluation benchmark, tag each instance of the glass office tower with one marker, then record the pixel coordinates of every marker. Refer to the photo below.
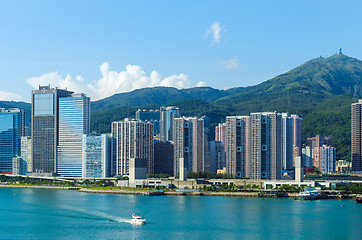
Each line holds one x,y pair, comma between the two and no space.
11,129
45,128
74,121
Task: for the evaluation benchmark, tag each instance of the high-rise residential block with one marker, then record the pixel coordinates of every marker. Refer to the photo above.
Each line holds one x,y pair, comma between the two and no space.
287,141
189,144
307,156
291,139
220,133
327,159
266,145
297,132
11,129
237,149
96,156
152,116
217,156
319,141
167,117
356,136
164,152
45,128
131,138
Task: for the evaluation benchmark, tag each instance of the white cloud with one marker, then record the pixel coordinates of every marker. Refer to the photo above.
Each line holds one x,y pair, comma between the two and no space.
112,82
6,96
230,64
215,30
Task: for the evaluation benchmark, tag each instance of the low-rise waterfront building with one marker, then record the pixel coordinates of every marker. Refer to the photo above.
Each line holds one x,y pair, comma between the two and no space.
343,165
19,166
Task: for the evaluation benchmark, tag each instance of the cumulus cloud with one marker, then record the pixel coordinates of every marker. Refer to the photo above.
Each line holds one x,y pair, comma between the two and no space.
215,31
6,96
112,82
230,64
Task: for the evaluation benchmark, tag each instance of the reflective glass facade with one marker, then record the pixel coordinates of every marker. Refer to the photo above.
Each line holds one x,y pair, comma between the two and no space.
44,104
96,156
45,128
11,125
74,121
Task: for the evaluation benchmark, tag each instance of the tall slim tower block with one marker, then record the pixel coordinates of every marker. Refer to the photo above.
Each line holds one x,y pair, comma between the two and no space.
74,121
189,144
237,146
356,136
45,128
132,139
11,129
266,145
167,117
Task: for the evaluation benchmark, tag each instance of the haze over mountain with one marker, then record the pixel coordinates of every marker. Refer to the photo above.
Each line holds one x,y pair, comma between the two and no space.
320,90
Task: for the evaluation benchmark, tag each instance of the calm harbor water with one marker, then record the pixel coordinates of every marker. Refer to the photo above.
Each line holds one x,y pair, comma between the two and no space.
64,214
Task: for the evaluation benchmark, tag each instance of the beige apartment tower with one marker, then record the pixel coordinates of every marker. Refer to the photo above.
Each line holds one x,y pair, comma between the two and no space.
189,144
132,139
356,136
266,145
237,138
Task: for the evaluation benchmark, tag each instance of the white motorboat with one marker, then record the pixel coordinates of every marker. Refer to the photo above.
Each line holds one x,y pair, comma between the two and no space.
136,219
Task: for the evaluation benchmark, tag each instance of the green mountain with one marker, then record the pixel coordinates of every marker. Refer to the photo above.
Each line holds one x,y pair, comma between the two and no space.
161,96
320,91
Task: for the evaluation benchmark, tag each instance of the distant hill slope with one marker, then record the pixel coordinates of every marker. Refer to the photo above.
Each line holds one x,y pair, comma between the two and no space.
161,96
335,75
320,90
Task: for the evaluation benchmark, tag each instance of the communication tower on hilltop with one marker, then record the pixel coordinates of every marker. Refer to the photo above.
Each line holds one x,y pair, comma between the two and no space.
340,50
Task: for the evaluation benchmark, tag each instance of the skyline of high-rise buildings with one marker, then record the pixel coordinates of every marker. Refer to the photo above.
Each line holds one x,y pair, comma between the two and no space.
258,146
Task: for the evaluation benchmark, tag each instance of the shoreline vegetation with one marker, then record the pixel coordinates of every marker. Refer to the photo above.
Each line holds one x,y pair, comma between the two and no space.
107,186
129,191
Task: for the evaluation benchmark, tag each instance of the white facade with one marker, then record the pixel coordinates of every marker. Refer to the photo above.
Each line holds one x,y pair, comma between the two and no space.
26,152
327,159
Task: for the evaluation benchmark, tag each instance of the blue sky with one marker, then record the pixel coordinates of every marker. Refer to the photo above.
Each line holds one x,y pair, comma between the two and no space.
106,47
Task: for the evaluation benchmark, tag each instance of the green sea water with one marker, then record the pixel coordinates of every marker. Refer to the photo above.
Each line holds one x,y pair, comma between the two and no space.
65,214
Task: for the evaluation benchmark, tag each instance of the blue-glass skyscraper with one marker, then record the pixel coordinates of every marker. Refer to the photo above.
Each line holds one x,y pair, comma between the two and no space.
11,129
74,121
167,117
